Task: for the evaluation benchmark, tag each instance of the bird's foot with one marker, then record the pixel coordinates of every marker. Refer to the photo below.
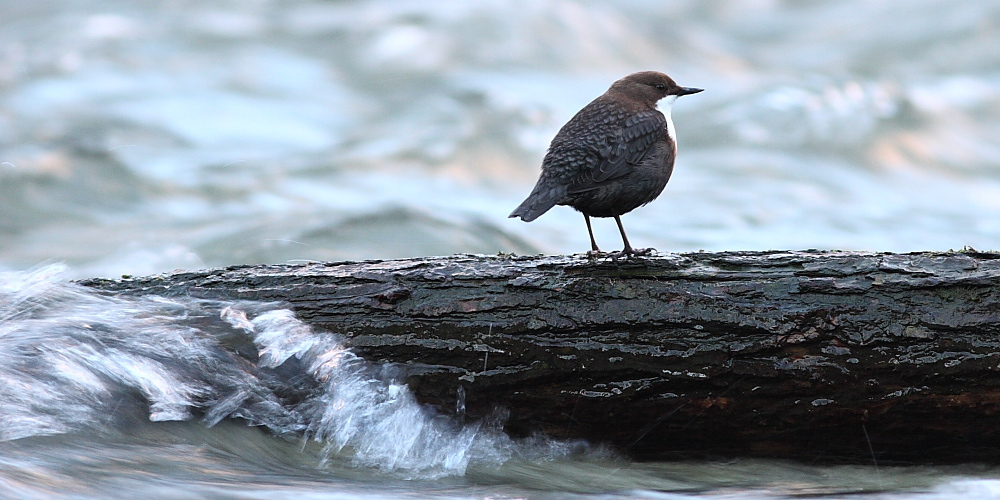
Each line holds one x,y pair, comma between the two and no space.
629,253
596,254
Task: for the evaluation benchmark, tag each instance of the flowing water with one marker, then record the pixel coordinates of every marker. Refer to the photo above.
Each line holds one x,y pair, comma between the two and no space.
172,398
141,137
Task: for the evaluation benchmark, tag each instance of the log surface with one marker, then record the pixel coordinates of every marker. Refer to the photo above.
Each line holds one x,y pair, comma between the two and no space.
817,356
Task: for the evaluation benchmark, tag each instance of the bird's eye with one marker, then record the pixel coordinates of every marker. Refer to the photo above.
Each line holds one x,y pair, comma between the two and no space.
660,86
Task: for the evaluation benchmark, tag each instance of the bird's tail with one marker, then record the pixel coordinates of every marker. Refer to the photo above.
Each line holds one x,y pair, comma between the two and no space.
537,203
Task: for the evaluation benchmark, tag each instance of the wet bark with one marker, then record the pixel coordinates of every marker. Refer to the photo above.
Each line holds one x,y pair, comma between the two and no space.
819,356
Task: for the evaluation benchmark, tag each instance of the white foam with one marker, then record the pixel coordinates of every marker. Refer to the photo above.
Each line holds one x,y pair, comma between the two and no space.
76,359
376,421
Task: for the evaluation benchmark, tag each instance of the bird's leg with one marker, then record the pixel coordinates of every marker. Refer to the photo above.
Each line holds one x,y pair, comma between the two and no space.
628,251
590,231
628,247
594,251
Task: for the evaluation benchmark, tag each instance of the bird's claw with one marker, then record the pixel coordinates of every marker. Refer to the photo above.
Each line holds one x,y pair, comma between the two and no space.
629,253
596,254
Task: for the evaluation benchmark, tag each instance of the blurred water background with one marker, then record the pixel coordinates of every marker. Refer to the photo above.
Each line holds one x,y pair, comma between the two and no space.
141,137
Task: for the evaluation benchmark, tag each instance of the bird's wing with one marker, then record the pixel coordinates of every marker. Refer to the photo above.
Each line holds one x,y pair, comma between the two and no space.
624,148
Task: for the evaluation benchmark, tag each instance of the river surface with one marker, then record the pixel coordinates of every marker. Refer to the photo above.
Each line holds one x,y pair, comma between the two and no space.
143,137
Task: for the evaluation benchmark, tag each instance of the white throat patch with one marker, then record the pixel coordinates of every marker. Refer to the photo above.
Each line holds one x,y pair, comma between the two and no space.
667,105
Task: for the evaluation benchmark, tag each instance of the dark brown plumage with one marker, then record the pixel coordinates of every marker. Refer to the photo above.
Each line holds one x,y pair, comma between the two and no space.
615,155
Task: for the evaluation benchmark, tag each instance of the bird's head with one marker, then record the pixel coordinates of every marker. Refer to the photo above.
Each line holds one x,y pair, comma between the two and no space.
649,87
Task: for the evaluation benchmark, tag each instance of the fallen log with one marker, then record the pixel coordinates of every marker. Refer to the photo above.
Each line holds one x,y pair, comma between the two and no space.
818,356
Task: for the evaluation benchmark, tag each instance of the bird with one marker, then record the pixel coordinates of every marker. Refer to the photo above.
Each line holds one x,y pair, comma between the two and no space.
615,155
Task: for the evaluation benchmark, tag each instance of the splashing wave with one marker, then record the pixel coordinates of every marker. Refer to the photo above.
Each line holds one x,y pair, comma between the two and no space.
77,359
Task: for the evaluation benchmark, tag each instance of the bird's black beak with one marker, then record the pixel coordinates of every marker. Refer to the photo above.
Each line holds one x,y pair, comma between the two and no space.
689,90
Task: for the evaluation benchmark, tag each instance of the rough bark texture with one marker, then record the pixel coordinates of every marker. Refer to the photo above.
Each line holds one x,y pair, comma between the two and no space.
819,356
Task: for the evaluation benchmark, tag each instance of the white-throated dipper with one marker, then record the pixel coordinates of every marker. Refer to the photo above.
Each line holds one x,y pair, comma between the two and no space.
615,155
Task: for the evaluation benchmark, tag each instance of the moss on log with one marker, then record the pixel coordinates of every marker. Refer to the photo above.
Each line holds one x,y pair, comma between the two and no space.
819,356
